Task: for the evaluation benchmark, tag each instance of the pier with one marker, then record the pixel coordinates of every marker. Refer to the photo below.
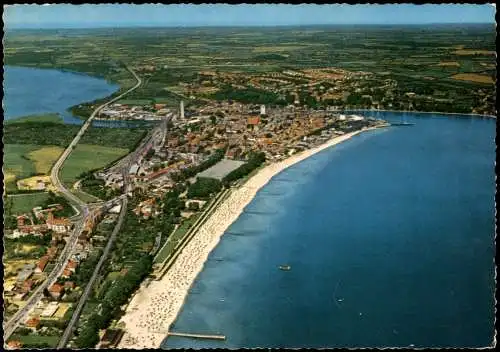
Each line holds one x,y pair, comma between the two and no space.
197,336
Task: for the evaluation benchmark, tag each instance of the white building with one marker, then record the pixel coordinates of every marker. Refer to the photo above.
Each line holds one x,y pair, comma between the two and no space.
133,169
356,118
116,209
182,110
262,109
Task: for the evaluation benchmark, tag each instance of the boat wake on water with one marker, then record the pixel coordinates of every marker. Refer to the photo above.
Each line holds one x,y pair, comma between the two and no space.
335,298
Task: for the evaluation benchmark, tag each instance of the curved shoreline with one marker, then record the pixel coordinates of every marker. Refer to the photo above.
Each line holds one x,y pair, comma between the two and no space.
69,108
154,308
424,112
65,70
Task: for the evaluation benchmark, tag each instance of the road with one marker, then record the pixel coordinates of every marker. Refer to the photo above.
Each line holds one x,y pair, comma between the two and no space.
124,165
82,214
88,288
132,158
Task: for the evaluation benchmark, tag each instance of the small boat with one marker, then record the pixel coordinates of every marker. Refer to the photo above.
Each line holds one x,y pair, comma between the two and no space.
285,267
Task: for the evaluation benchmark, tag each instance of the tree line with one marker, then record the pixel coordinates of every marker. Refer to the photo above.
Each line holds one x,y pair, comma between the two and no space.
189,172
255,160
110,307
203,188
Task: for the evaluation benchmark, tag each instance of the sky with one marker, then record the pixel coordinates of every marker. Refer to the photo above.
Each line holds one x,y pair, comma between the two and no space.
127,15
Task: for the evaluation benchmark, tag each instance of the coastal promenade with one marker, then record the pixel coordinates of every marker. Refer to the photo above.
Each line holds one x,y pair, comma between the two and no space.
191,232
154,308
81,217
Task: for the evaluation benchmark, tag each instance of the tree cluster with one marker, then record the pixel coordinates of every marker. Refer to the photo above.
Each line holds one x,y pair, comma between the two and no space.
85,270
115,297
32,239
203,188
193,170
53,198
254,161
96,187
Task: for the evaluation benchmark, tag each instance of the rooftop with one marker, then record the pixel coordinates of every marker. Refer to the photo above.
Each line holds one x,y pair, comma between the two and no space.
56,288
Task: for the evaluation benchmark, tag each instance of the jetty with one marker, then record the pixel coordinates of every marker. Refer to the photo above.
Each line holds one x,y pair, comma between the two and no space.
197,336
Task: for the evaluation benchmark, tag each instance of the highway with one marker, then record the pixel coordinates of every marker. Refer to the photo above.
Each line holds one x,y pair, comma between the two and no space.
131,159
124,166
83,212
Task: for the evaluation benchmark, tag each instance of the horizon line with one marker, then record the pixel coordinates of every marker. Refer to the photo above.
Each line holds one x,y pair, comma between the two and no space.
112,26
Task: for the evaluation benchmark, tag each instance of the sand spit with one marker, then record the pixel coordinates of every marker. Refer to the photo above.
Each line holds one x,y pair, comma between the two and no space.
154,308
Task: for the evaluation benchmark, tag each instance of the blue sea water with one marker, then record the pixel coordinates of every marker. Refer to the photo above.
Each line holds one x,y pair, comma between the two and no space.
30,91
390,239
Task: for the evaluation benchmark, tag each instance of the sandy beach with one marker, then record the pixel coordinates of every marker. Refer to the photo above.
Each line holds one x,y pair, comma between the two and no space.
153,309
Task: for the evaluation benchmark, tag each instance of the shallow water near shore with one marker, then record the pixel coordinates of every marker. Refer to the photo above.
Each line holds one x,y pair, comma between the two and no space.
33,91
390,239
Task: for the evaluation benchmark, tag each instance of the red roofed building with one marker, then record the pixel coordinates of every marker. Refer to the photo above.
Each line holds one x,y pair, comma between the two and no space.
56,290
61,225
20,220
51,252
14,344
71,265
42,264
33,323
27,229
158,173
254,120
27,285
66,274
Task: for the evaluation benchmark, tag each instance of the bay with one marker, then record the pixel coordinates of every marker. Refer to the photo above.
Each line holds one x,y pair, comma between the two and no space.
390,239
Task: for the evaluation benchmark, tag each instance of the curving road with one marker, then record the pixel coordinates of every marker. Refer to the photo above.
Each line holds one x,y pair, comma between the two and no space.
131,159
81,217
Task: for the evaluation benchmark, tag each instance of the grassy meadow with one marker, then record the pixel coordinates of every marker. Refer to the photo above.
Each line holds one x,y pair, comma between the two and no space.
21,203
25,160
88,157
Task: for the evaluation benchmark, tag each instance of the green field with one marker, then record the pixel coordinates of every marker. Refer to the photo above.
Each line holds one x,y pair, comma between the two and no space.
25,202
34,341
88,157
36,118
26,160
17,164
407,55
87,198
174,238
134,101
